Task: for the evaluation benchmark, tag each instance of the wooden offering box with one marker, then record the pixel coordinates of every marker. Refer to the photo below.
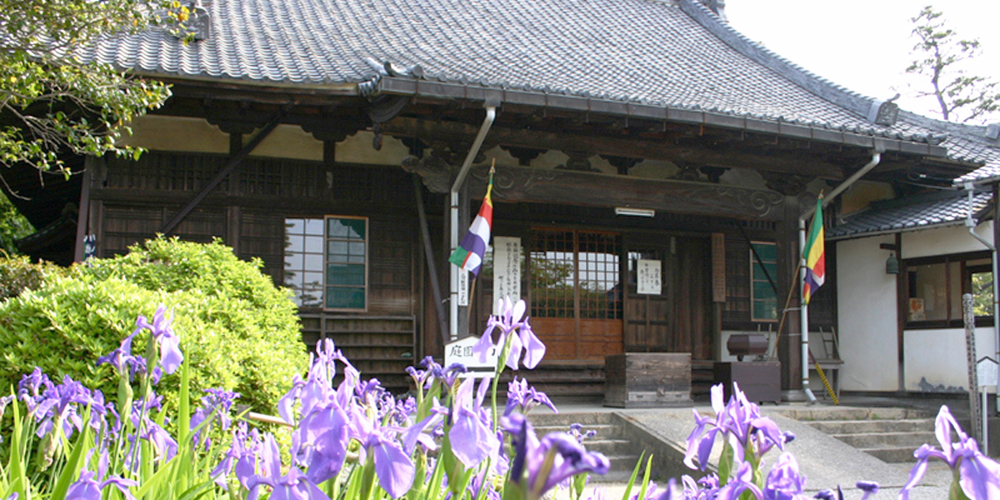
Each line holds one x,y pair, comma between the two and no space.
760,381
647,380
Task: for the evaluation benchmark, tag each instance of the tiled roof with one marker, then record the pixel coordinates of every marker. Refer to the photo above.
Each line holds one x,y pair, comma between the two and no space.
909,214
661,54
653,52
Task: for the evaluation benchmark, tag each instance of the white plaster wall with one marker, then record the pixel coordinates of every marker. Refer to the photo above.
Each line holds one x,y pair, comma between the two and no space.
288,141
867,312
935,360
944,241
170,133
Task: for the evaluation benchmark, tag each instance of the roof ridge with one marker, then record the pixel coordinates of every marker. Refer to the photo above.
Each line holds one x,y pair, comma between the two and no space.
848,99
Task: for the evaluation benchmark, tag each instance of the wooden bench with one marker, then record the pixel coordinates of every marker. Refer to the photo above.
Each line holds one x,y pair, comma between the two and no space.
825,350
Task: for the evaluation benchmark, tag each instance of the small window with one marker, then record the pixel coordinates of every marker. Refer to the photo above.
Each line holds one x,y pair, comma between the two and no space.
326,262
935,286
763,299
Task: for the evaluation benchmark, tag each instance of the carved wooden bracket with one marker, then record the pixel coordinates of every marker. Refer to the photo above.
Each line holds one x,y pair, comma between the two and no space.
435,172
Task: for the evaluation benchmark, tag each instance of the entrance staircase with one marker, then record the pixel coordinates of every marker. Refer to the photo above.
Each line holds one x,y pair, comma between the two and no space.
609,440
889,434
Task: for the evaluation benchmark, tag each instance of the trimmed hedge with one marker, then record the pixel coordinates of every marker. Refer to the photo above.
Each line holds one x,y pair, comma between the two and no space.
237,329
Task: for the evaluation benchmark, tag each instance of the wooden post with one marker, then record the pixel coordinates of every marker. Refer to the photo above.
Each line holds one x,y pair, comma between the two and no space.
789,349
969,317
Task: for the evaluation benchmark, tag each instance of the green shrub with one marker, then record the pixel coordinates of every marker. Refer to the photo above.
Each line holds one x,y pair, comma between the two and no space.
17,274
238,330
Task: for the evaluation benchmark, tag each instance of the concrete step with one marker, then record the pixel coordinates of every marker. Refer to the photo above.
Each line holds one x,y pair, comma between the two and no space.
875,440
863,426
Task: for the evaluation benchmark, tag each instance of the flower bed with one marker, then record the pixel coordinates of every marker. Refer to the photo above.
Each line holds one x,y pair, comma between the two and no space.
355,441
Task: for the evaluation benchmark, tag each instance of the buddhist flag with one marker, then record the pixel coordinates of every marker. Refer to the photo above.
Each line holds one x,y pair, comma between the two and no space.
815,255
469,254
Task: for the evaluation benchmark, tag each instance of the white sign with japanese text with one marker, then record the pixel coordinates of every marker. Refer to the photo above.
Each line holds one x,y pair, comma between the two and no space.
506,270
648,276
463,287
460,351
986,369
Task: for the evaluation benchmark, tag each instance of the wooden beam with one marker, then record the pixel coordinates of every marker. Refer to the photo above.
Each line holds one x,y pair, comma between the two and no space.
649,149
235,161
516,184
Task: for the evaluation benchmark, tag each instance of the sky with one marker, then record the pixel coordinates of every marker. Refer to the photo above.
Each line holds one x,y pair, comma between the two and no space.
865,45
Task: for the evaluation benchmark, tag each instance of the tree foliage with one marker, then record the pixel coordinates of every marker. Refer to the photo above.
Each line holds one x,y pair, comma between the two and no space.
52,104
13,226
940,55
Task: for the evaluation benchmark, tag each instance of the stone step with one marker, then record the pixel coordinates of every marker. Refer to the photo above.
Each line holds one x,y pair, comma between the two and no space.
621,468
863,426
897,455
853,413
872,440
603,431
567,419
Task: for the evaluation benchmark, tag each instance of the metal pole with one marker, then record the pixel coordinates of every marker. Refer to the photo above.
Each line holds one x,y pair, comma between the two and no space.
804,313
491,113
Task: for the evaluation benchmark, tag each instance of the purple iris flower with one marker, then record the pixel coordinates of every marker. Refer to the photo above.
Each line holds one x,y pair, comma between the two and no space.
62,404
576,430
523,397
741,481
869,487
979,475
121,359
517,332
216,405
565,454
31,388
393,466
471,436
90,485
670,492
706,488
291,486
241,456
739,419
161,330
161,442
784,481
322,442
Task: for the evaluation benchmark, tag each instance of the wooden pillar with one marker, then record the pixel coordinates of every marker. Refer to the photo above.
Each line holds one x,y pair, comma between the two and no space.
83,215
790,345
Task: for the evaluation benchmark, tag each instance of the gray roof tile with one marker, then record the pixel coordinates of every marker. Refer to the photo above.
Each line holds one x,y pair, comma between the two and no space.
909,213
668,54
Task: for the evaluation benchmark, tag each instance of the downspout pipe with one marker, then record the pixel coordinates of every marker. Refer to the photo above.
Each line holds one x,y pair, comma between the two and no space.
971,224
804,316
491,114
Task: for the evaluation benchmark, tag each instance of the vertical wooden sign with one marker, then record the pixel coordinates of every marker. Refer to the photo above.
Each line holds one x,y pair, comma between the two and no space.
506,269
718,267
463,287
649,277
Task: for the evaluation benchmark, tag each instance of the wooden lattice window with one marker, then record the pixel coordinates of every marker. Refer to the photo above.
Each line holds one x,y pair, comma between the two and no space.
571,268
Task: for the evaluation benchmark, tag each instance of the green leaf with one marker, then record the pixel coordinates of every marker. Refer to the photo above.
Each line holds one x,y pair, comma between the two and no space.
726,463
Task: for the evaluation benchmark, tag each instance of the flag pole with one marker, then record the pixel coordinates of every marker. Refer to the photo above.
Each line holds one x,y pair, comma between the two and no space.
472,288
804,311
